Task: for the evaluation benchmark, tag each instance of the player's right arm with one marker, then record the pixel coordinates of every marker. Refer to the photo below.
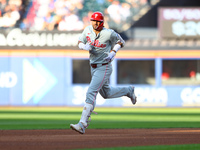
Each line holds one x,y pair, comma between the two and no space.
83,46
82,40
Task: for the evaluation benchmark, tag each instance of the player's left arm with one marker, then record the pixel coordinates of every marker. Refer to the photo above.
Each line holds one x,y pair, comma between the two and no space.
119,43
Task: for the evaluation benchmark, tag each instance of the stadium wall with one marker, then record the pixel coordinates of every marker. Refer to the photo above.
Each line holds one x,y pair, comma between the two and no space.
43,77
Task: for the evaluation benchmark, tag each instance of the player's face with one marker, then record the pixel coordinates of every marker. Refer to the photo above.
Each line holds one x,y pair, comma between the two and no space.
95,24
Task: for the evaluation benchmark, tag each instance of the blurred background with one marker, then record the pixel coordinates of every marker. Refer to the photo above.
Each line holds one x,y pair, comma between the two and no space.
41,65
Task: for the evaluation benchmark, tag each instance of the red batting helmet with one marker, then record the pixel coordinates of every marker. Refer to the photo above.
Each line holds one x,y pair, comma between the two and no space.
98,16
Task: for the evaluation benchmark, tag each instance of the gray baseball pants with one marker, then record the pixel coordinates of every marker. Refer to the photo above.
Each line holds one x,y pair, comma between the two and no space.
100,83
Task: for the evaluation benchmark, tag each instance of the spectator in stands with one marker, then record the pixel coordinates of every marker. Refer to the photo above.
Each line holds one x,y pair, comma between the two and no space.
149,2
58,14
48,21
60,8
15,15
135,6
17,3
70,22
119,14
114,11
3,4
86,19
25,25
125,11
9,13
72,15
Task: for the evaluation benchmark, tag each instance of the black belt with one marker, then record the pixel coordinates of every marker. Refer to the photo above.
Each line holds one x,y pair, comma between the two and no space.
96,65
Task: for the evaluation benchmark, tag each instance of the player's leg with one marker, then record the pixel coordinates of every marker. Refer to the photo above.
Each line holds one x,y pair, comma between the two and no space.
108,91
83,123
99,77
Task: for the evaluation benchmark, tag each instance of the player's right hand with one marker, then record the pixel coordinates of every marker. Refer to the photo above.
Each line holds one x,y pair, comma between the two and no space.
91,48
88,46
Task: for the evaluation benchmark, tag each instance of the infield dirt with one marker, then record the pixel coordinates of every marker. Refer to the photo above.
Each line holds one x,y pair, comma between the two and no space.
95,138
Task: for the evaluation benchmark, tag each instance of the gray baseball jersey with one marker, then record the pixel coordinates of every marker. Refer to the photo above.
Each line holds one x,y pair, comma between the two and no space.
103,42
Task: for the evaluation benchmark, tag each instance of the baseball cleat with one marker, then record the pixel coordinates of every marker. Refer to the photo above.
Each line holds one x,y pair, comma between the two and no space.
133,97
77,128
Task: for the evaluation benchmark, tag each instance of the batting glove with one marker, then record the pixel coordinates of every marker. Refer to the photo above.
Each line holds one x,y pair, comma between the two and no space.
86,46
110,56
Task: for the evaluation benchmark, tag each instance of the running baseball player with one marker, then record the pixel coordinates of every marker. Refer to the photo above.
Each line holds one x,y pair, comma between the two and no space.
102,44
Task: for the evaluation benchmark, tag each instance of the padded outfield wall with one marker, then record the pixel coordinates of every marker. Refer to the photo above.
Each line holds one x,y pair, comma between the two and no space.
44,78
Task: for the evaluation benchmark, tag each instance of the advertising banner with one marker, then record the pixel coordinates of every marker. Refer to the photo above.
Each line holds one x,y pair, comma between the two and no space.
18,39
32,81
147,96
176,22
47,81
7,81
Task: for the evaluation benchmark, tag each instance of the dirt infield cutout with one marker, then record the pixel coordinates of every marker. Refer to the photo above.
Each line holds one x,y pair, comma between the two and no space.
95,138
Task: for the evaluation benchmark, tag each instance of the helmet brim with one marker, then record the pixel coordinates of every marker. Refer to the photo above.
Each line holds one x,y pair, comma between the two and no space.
96,20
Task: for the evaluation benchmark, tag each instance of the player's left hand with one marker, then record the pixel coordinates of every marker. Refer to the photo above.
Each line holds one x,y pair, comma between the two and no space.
110,56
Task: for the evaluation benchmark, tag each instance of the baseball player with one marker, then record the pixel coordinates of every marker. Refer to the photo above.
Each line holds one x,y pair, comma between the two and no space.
102,44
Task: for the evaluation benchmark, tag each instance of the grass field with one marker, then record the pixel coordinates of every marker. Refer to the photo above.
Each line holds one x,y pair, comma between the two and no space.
160,147
12,118
61,117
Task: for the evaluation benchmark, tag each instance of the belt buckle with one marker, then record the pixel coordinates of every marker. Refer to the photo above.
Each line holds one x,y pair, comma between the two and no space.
98,65
94,65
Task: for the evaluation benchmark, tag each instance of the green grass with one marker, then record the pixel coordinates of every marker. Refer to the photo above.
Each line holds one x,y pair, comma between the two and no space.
61,117
157,147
